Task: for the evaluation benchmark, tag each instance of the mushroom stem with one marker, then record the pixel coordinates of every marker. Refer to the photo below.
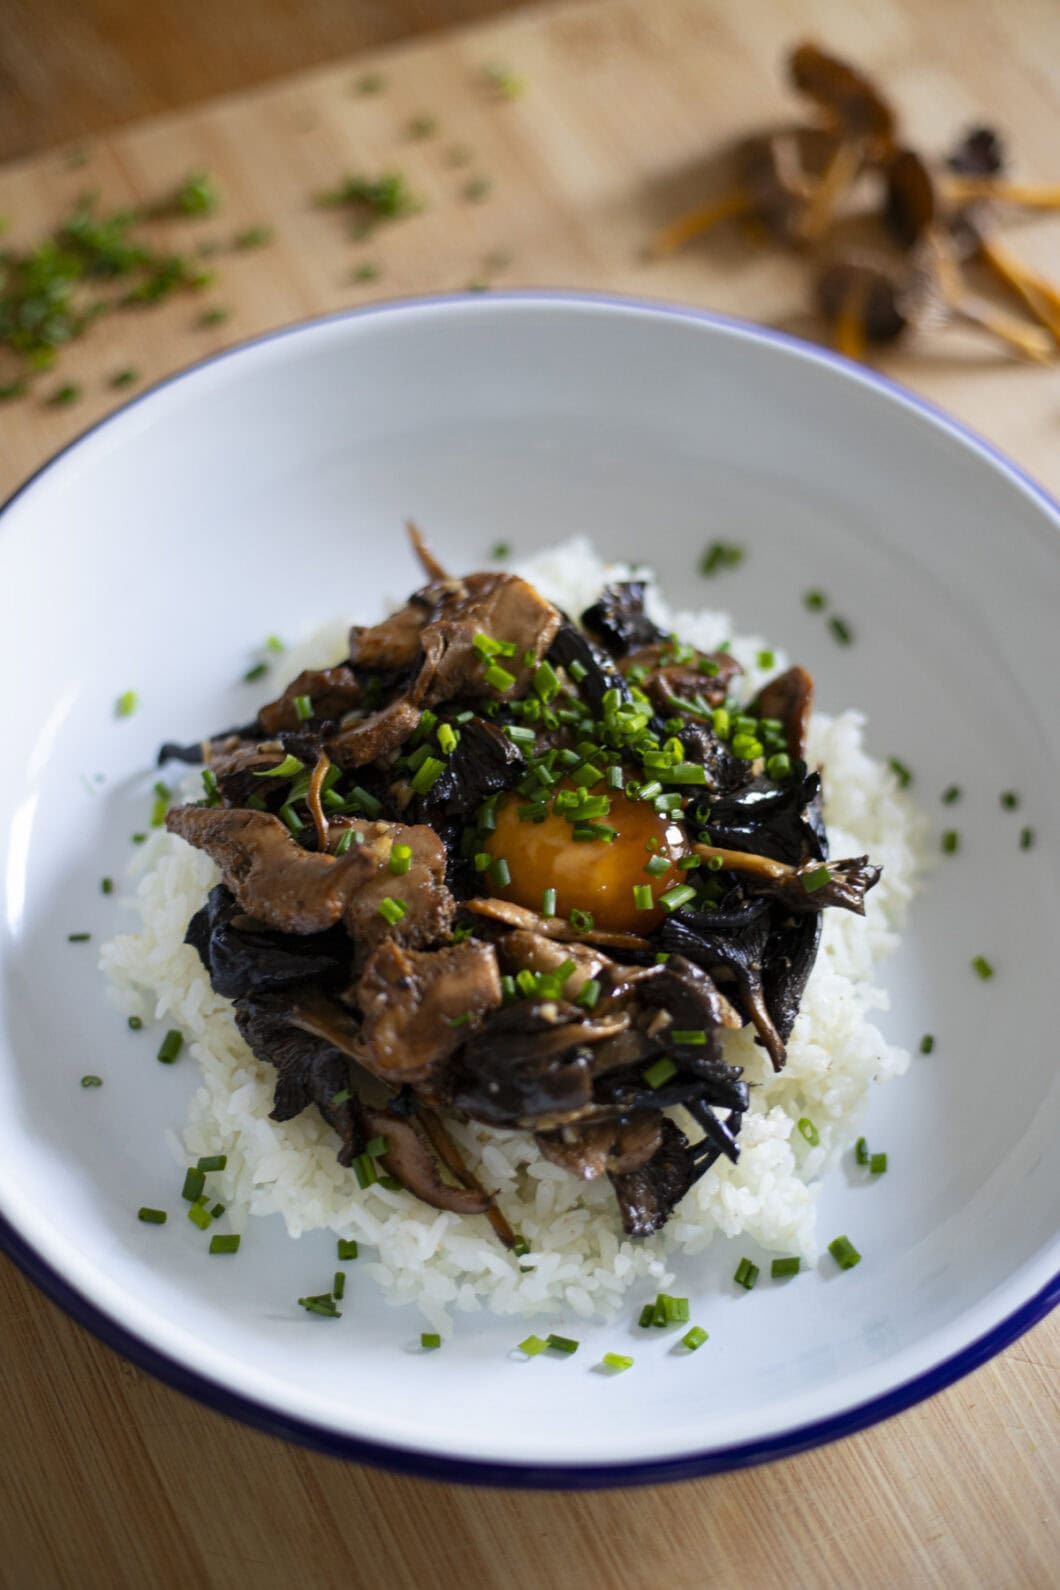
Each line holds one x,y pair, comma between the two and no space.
848,328
453,1161
1029,195
695,222
314,799
1038,295
745,861
837,177
431,567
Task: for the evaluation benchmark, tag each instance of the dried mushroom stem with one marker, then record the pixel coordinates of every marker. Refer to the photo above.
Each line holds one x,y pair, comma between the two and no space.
848,328
1038,295
695,222
960,190
1030,342
836,180
431,567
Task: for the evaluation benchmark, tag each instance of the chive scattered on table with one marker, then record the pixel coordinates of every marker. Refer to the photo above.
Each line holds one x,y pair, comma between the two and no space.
982,967
927,1043
532,1345
562,1344
347,1248
170,1046
151,1217
617,1361
785,1267
746,1274
694,1338
430,1340
224,1244
89,1080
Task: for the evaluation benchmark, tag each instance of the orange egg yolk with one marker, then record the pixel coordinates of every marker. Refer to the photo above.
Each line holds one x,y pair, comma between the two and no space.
592,875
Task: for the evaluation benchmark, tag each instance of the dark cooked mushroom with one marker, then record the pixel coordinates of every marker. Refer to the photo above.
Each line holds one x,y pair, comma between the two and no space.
809,887
978,153
861,300
730,944
680,679
243,957
310,1070
910,205
571,646
409,1160
648,1196
617,620
483,762
850,98
769,819
615,1147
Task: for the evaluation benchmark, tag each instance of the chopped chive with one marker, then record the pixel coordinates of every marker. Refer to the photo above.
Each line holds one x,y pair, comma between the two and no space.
746,1274
499,677
212,1162
338,1285
532,1346
1026,838
861,1151
694,1338
657,865
658,1072
391,910
844,1253
900,771
347,1248
365,1171
812,881
345,841
673,899
482,861
841,630
430,1340
877,1164
78,938
151,1217
502,875
106,886
782,1267
953,793
447,738
779,767
194,1182
581,921
427,775
170,1046
343,1096
589,993
134,1023
258,671
950,841
500,550
285,769
562,1344
766,659
982,967
375,1148
617,1361
303,708
647,1316
546,681
217,1211
927,1043
126,704
548,902
643,899
675,1309
89,1080
400,859
320,1305
476,189
65,395
1009,800
577,670
720,555
200,1216
125,377
815,601
220,1244
809,1131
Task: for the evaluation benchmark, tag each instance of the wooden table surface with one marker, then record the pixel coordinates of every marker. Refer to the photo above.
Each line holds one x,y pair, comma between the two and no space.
109,1479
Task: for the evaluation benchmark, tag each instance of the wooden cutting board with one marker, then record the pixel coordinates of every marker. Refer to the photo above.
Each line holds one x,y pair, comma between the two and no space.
106,1477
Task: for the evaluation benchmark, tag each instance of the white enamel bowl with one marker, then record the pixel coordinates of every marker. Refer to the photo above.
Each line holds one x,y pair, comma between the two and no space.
265,490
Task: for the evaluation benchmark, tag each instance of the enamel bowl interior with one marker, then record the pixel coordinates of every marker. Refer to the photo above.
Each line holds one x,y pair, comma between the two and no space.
266,490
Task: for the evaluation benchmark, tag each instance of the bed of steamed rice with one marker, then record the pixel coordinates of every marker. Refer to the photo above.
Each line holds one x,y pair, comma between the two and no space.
579,1260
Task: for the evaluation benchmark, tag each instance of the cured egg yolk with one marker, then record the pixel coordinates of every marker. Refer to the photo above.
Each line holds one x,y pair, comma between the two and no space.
591,875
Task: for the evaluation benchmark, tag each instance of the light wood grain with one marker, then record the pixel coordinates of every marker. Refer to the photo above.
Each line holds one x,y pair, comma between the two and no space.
106,1477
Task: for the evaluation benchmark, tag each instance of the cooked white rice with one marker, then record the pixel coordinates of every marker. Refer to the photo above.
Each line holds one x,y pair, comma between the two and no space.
579,1261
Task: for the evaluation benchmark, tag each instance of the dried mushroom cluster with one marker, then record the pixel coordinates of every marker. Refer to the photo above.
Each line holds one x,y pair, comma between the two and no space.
888,233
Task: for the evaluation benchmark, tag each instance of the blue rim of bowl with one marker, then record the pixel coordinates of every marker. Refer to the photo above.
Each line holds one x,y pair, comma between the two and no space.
545,1476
